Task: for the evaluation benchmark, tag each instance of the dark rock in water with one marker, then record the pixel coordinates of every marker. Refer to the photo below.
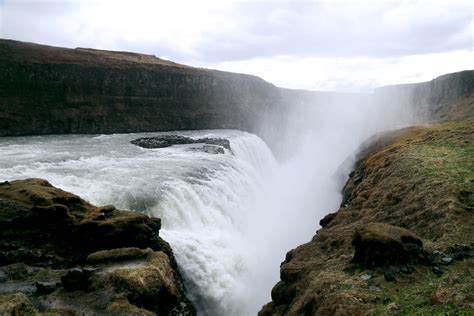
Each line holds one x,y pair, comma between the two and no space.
52,90
169,140
379,244
215,150
76,279
44,288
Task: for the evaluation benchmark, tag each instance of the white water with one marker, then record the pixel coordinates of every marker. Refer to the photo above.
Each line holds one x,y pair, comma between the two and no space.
203,199
229,218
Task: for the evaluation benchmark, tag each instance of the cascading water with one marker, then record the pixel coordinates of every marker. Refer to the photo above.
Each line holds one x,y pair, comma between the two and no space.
204,199
231,217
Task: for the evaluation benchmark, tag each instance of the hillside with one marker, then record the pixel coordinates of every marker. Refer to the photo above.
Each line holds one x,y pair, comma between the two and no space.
402,241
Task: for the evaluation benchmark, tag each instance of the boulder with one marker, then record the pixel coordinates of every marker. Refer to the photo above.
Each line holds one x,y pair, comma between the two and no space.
380,244
77,279
152,286
44,288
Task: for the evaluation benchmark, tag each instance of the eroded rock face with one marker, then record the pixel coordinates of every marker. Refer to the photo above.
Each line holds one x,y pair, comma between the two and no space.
59,251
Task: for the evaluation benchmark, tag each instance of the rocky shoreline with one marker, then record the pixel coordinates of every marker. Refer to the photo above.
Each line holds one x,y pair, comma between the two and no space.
61,255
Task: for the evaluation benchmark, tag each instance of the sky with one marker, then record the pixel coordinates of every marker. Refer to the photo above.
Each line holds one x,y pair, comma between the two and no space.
317,45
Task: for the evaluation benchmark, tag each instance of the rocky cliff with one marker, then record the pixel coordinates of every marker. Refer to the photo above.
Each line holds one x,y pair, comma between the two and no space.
51,90
402,241
440,98
60,255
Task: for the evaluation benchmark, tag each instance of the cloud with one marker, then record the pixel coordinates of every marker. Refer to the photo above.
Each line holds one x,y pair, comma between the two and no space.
354,74
341,29
235,34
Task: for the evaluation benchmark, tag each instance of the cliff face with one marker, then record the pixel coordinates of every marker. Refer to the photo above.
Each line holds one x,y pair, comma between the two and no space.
50,90
440,98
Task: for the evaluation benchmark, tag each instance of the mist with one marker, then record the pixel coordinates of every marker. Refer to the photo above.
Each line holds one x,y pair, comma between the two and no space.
323,138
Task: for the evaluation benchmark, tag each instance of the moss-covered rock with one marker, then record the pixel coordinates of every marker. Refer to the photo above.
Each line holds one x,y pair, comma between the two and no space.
380,244
152,286
47,236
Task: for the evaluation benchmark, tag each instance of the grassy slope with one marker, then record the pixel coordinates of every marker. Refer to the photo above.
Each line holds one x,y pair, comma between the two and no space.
422,180
440,160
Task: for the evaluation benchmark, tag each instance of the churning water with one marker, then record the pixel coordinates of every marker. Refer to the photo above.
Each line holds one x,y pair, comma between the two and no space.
203,199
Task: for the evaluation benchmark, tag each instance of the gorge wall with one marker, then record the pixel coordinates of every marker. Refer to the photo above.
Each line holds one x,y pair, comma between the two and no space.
52,90
436,99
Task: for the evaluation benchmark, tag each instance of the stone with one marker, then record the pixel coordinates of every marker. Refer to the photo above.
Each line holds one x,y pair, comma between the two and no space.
152,286
407,269
461,251
375,288
44,288
76,279
380,244
16,271
389,276
437,270
365,277
210,149
447,260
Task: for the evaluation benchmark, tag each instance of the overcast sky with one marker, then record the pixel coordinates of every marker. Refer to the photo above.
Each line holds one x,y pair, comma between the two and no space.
318,45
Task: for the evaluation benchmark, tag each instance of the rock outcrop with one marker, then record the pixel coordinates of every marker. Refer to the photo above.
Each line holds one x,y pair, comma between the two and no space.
380,244
58,253
402,241
170,140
